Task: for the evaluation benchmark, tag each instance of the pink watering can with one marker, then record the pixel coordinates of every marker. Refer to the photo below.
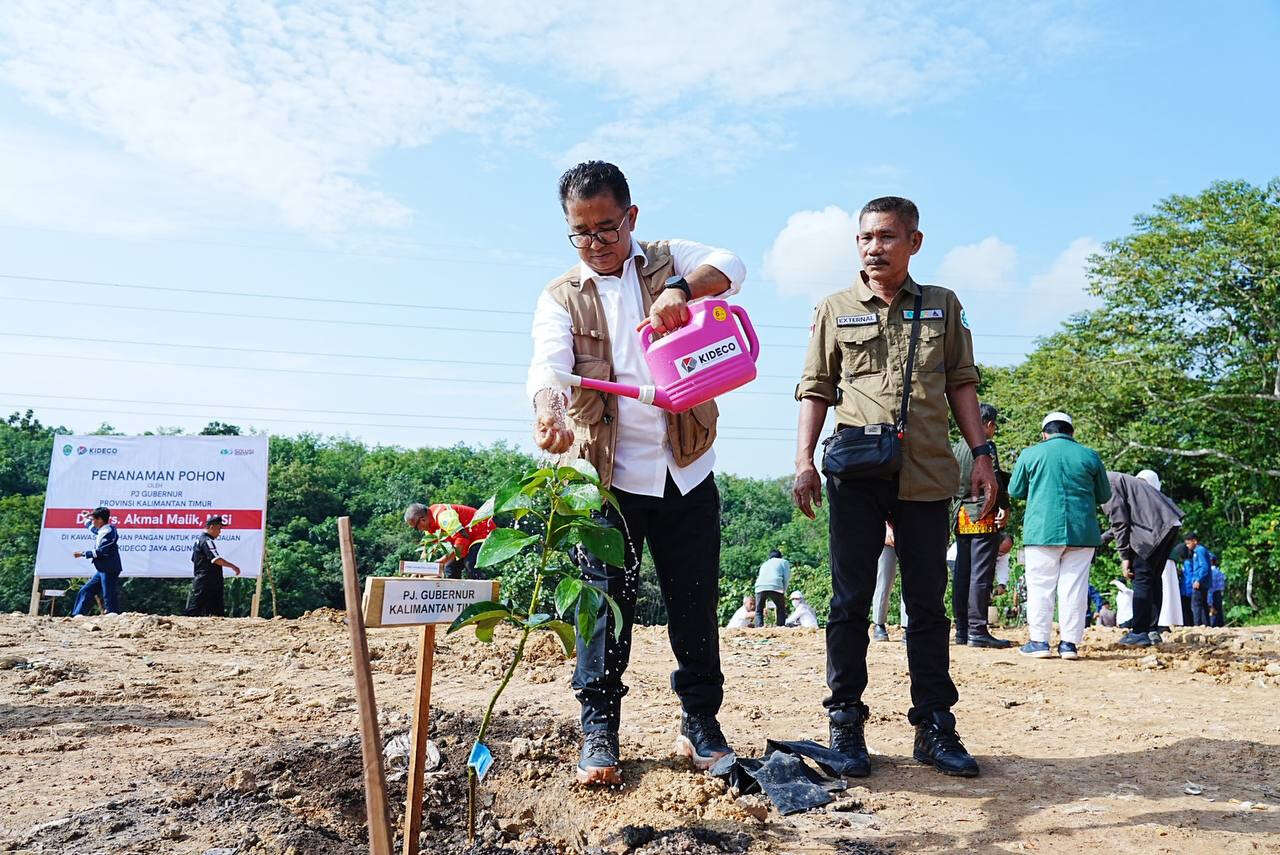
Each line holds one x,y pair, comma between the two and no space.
702,360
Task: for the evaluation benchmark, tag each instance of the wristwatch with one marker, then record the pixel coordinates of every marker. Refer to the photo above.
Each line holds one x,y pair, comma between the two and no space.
979,450
678,282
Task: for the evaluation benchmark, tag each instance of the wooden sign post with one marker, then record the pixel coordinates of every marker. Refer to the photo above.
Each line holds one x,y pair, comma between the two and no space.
425,601
375,781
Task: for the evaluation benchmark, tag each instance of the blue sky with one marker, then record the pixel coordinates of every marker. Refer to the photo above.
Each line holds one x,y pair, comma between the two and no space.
403,158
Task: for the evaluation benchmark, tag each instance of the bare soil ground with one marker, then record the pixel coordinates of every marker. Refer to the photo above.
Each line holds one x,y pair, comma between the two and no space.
144,734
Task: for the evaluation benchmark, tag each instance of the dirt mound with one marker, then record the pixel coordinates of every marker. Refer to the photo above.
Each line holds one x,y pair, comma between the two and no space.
138,734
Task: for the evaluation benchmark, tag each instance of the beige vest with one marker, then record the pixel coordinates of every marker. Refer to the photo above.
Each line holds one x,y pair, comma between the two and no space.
594,415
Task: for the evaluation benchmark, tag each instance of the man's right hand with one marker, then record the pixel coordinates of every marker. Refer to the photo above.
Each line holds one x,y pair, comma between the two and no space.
1127,567
551,433
806,491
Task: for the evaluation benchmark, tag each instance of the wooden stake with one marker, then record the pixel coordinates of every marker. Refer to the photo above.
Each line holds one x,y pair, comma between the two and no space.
418,740
35,595
375,782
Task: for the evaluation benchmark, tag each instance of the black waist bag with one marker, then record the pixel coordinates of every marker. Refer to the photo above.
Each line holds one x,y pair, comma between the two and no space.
873,451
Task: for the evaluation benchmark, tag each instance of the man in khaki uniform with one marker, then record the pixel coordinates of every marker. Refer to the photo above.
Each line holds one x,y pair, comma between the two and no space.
856,361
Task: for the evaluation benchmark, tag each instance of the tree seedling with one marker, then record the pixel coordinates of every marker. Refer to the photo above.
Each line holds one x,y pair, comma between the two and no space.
558,506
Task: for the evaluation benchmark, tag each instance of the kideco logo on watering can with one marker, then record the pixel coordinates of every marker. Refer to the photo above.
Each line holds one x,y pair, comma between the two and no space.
708,356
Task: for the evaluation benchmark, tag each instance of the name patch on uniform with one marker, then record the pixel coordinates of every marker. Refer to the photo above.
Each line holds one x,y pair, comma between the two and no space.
857,320
925,314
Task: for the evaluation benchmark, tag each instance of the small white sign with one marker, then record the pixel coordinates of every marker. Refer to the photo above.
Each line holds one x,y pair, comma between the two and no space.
421,568
421,601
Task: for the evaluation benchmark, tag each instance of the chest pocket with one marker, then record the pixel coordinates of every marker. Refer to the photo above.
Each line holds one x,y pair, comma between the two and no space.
586,407
932,348
863,350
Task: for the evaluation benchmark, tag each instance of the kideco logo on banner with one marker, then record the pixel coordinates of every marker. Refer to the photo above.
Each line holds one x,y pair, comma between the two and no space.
84,450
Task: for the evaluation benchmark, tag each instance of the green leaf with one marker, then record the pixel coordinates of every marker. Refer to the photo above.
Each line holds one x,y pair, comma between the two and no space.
563,527
610,498
587,612
582,497
567,594
477,612
533,482
485,511
501,544
617,615
509,497
564,631
485,628
537,620
603,542
587,471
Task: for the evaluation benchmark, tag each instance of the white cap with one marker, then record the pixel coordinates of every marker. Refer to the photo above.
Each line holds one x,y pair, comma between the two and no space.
797,595
1056,416
1150,477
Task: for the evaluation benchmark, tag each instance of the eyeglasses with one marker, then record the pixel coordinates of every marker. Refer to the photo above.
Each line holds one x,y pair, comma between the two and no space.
582,240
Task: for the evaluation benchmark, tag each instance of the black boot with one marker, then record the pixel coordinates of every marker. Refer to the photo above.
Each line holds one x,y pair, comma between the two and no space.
938,745
845,728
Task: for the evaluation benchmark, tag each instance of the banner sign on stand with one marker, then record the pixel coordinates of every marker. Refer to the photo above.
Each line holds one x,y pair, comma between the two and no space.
160,490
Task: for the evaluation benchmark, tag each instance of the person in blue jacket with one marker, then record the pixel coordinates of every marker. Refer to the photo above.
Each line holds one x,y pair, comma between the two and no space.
105,556
1197,579
1216,593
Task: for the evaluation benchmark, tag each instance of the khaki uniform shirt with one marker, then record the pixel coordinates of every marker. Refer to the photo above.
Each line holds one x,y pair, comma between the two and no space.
857,354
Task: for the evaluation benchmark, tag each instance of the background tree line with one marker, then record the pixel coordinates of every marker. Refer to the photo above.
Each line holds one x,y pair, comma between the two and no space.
1178,371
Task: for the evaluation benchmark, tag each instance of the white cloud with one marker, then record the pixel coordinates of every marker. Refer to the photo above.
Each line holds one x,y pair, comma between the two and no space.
47,182
645,144
815,254
986,265
285,105
1067,273
292,104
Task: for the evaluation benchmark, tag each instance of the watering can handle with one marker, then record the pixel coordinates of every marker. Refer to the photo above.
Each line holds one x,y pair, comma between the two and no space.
646,335
752,342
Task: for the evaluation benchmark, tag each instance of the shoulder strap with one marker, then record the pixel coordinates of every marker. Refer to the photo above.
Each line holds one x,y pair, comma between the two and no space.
911,361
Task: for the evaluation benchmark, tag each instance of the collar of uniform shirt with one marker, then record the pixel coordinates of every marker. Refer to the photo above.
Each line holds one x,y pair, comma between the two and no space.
866,295
585,273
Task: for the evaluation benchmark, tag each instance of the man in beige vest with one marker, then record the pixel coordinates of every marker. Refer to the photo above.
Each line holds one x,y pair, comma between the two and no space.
657,464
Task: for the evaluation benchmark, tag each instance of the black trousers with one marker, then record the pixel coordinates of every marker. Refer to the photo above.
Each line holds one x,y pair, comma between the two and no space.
1215,603
971,582
683,533
1148,584
465,567
206,598
1200,605
859,510
779,602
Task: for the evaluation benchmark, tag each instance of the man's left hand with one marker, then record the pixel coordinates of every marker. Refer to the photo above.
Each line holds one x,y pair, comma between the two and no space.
77,555
983,483
1195,585
670,311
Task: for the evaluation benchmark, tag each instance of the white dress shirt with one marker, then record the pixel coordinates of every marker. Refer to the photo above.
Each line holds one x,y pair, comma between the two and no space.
641,458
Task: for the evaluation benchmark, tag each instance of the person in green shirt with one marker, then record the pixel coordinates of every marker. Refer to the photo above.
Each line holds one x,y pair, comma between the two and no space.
1063,483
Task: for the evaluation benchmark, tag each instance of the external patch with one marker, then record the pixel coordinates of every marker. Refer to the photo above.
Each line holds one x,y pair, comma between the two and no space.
857,320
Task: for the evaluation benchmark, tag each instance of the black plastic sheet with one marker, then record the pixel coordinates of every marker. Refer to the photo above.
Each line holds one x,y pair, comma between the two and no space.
783,775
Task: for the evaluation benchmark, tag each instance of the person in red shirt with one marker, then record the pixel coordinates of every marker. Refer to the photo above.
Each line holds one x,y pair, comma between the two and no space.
460,563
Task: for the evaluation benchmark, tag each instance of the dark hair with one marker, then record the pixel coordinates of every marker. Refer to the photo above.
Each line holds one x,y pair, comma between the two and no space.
101,513
1059,427
988,413
1191,536
775,554
903,209
594,178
